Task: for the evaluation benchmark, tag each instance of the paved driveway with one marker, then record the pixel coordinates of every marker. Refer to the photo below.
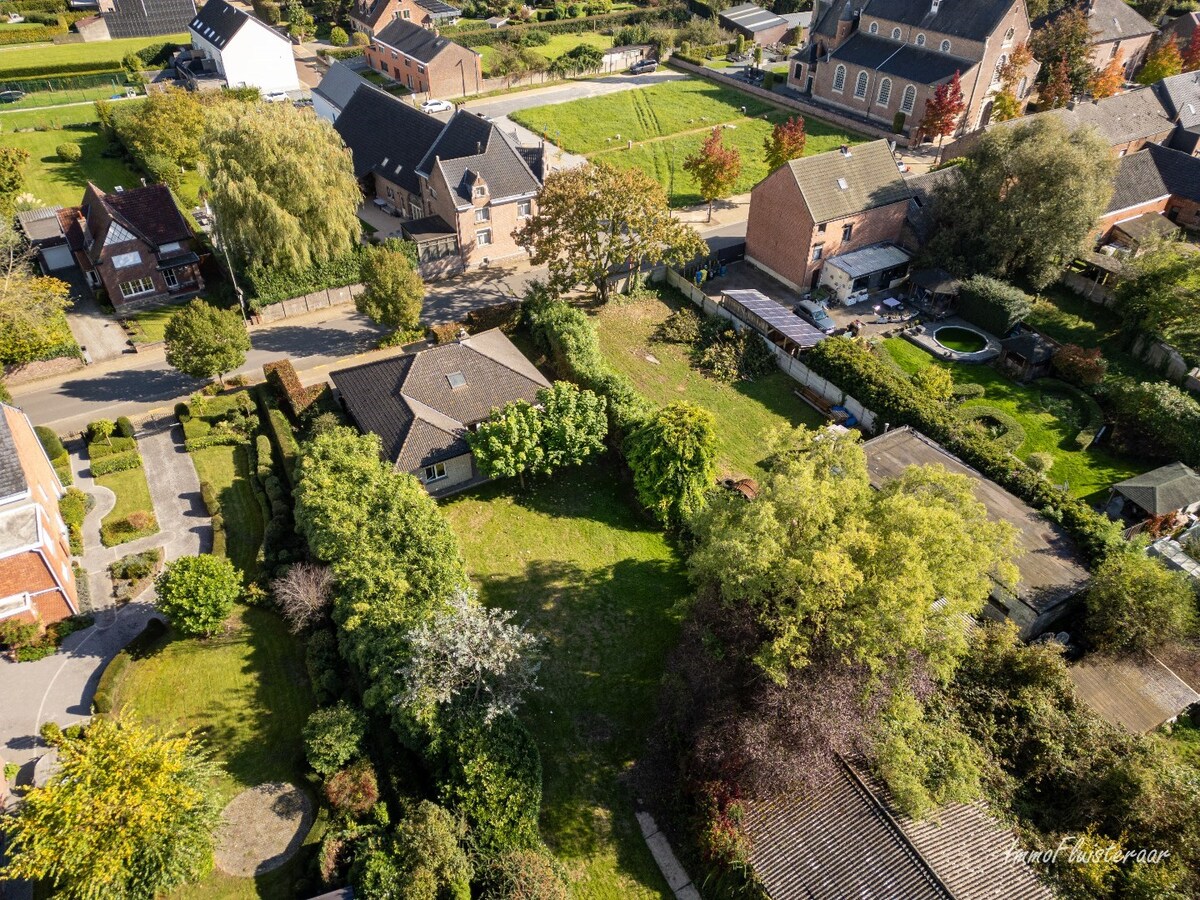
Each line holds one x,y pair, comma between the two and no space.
60,687
97,332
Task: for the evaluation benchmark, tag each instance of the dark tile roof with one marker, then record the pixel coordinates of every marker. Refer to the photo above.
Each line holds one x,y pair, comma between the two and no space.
1164,489
1115,20
846,839
1154,172
409,402
148,18
1136,181
1180,97
218,22
339,84
971,19
386,135
828,13
470,148
905,61
1186,140
868,172
1130,116
427,228
151,211
1034,347
12,475
421,44
923,187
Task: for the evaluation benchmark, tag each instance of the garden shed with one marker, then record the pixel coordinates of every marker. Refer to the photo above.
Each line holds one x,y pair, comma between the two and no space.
1027,355
1173,488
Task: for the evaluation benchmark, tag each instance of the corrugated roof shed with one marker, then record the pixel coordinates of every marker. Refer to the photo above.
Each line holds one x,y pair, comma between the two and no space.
1137,692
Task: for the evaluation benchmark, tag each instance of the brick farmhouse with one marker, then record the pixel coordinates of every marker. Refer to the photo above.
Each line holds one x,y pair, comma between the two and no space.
133,244
424,62
37,582
369,16
822,207
459,187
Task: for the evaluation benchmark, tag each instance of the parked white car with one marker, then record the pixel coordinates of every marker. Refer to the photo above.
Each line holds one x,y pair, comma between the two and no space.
437,106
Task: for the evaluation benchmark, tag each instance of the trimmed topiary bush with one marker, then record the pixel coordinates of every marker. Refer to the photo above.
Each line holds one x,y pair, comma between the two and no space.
1002,427
125,427
68,152
338,36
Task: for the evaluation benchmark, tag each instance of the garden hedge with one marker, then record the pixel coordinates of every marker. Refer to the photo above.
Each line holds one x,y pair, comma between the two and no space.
282,377
119,462
1095,415
54,70
269,286
215,439
895,400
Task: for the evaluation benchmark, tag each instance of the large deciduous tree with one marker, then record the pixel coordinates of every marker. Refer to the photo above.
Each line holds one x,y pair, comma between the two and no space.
785,142
33,321
1136,603
168,123
1024,204
471,660
424,859
129,813
1064,45
574,425
204,341
673,457
595,220
714,167
12,177
283,185
393,287
197,593
1107,81
1191,53
1162,62
508,442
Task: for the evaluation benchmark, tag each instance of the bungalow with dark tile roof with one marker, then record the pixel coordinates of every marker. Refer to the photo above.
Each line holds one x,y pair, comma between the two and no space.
422,404
133,244
424,61
459,187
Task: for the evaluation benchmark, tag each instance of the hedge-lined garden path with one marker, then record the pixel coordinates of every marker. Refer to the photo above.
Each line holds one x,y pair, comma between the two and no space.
59,688
262,828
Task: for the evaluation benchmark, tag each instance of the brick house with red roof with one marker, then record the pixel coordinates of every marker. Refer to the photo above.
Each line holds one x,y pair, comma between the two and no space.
133,244
37,582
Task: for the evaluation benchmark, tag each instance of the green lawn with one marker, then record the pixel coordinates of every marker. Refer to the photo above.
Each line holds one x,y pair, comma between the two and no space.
669,107
11,120
103,54
131,489
584,569
54,182
1051,421
744,410
149,324
38,99
246,695
667,122
663,159
227,469
1065,316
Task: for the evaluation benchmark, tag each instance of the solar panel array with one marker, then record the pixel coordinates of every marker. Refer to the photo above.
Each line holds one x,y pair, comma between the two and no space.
778,317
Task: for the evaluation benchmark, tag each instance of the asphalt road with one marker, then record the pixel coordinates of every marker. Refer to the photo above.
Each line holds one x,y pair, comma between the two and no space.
132,385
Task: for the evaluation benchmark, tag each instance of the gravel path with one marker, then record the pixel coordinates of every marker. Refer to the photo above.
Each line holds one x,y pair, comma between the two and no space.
262,828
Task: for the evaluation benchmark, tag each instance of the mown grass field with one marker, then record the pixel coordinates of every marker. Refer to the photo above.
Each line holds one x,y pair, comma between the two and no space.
744,411
1050,420
54,182
36,99
131,489
243,693
581,566
667,121
102,54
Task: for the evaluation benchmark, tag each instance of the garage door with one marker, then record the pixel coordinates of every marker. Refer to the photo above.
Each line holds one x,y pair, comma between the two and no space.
57,257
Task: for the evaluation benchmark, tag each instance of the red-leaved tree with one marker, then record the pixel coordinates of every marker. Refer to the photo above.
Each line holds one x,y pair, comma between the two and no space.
785,142
943,111
1191,53
1057,89
715,167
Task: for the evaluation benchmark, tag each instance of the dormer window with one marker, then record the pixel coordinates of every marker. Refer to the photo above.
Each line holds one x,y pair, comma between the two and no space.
874,29
481,191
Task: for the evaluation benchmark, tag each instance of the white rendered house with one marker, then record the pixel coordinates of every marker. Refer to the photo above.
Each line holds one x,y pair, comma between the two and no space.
245,51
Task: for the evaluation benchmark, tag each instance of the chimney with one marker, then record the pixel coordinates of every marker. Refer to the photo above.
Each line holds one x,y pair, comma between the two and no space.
934,4
845,150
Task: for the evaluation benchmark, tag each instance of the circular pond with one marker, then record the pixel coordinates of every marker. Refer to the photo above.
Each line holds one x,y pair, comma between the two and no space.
960,340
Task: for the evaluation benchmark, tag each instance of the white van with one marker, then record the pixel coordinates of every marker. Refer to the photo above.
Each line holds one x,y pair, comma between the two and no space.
816,314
